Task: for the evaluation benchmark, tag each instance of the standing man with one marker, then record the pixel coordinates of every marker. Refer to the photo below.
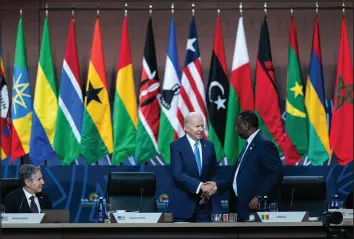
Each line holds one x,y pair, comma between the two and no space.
194,172
29,198
258,170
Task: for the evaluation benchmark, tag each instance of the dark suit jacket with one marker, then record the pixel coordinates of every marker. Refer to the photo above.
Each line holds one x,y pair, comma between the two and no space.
16,202
260,174
186,179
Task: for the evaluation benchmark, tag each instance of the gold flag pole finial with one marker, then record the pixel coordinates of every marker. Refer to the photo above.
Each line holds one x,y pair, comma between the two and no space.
193,9
218,11
316,8
291,11
126,9
150,10
265,8
343,8
172,8
73,11
98,10
21,13
46,10
241,10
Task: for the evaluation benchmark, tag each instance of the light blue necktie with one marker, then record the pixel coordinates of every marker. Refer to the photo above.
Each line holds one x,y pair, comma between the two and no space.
197,156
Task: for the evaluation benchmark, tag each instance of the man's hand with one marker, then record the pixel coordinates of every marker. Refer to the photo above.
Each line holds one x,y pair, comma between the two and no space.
253,204
208,188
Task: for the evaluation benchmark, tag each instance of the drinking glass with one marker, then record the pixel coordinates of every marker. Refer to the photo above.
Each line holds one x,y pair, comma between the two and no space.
273,207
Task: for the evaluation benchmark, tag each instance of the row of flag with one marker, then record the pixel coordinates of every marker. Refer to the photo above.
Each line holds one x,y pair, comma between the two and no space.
72,124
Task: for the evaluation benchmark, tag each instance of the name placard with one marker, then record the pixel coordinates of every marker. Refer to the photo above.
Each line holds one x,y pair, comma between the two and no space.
136,217
347,213
282,216
22,217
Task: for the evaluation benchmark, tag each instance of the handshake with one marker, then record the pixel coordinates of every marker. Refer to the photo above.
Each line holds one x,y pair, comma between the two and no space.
208,189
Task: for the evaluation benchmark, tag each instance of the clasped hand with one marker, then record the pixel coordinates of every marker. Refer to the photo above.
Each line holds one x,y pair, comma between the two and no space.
208,189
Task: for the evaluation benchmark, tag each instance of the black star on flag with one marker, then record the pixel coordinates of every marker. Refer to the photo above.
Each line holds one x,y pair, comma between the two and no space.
92,94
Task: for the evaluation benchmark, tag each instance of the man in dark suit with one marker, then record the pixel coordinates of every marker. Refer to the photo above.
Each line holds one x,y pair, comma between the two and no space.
258,170
29,198
194,172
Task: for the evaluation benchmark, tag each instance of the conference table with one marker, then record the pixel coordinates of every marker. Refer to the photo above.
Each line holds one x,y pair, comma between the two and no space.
170,230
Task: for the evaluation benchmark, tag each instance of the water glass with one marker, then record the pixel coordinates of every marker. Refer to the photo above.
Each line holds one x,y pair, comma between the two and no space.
232,217
2,208
273,207
340,204
216,218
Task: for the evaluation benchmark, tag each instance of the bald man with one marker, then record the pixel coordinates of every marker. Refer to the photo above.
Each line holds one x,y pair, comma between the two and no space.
194,171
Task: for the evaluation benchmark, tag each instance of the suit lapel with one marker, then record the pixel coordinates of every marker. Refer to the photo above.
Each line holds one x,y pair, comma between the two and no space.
190,154
204,157
249,151
24,207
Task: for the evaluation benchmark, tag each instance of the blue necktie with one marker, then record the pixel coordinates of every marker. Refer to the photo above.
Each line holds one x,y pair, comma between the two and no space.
197,157
241,154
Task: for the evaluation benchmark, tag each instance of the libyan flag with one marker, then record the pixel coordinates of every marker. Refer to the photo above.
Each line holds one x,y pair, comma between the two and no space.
217,93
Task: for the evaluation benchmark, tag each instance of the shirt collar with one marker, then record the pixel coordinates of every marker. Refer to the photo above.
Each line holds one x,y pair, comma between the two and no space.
27,194
192,141
249,140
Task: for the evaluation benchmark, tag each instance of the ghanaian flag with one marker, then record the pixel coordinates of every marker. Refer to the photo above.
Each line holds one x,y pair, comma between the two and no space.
96,139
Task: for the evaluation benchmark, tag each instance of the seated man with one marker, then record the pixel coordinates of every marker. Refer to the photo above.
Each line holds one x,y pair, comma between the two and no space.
29,198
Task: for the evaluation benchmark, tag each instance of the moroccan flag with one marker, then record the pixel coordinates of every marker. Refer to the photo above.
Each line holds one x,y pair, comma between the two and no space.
319,150
22,104
5,122
341,137
241,95
96,133
69,119
45,104
296,117
125,113
168,98
217,93
267,103
149,108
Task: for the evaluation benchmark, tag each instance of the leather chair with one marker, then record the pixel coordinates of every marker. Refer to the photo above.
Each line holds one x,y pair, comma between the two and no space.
132,191
304,193
8,185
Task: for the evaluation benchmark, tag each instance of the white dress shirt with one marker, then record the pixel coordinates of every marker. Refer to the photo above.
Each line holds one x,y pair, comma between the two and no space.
249,141
192,143
28,195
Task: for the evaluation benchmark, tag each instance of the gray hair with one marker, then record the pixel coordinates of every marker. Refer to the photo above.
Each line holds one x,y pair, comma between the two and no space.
191,115
27,172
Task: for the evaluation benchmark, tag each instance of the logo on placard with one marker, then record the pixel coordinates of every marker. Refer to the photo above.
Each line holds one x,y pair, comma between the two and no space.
163,200
120,218
90,201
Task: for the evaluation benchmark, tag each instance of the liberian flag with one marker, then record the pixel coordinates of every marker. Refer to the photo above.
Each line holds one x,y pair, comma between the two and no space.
192,94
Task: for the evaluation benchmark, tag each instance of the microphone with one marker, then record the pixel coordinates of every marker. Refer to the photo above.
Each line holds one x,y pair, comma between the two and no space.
292,197
21,203
141,198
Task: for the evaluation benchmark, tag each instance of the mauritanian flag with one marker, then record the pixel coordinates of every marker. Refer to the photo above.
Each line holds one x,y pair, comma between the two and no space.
125,113
241,96
341,137
69,119
45,104
168,98
267,102
149,108
296,117
319,150
217,93
96,134
22,104
5,122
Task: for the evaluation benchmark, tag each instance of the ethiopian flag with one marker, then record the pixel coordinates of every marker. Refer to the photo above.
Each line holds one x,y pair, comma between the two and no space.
125,115
96,135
